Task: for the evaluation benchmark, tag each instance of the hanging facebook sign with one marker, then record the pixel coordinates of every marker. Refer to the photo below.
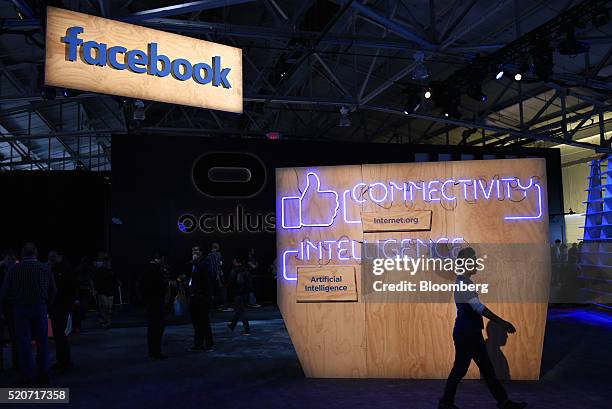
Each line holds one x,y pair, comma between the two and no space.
141,62
91,53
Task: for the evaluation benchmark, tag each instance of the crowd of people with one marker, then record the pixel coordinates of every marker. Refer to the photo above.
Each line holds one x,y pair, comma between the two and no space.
205,285
36,295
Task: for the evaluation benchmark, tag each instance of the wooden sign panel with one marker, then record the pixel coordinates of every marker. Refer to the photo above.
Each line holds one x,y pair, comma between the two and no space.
324,215
416,220
95,54
326,284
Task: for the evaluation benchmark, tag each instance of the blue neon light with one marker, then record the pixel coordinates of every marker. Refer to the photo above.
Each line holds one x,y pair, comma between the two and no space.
300,223
431,191
539,213
344,210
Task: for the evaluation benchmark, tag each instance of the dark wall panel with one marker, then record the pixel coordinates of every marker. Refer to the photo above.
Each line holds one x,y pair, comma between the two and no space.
62,210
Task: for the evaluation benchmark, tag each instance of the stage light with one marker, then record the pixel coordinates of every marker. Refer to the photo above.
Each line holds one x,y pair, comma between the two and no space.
518,76
345,121
427,94
412,104
413,99
420,71
474,91
447,97
543,61
499,75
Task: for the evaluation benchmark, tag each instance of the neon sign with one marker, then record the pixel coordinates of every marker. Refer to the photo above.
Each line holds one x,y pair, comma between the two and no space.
345,249
509,189
331,203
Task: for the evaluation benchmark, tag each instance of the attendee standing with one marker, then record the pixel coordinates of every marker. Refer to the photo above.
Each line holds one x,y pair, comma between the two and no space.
154,285
105,286
253,267
470,344
66,283
84,273
199,304
7,324
240,285
29,287
214,266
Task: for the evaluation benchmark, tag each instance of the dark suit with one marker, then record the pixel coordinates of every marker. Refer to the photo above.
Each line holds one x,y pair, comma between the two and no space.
199,306
154,286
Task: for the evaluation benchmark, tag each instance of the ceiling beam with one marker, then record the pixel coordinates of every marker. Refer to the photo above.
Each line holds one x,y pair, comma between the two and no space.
392,25
182,8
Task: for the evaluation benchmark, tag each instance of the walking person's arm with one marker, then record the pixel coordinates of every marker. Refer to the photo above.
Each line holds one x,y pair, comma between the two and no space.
506,325
481,309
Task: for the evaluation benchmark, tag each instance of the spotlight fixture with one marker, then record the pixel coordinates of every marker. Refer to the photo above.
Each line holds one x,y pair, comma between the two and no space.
139,112
474,91
427,93
447,97
413,101
345,121
543,61
518,76
420,71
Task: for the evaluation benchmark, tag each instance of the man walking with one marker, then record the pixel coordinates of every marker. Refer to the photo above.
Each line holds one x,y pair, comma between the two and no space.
470,344
29,286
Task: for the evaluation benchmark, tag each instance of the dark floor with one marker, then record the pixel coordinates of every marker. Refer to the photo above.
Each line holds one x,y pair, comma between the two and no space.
262,371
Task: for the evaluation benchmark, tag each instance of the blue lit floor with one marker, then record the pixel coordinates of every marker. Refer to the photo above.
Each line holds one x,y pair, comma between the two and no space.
262,371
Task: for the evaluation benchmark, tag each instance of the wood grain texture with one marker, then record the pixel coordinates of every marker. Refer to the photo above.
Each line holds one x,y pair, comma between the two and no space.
414,340
60,72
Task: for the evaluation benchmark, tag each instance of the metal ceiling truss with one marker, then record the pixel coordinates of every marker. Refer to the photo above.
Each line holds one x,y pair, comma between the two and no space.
566,125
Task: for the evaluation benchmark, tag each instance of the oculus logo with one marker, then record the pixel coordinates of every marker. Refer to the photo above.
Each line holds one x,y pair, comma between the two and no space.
229,174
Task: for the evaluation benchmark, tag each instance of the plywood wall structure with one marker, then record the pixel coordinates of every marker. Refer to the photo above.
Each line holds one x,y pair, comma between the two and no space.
361,339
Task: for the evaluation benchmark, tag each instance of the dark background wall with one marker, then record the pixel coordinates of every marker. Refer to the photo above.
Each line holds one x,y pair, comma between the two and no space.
152,186
56,210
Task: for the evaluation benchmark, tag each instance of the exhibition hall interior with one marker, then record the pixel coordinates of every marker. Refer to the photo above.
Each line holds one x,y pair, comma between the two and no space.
306,204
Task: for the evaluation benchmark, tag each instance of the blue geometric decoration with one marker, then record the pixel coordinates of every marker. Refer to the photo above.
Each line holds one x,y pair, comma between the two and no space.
595,259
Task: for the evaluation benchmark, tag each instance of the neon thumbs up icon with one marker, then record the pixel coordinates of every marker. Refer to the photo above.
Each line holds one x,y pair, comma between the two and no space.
314,208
